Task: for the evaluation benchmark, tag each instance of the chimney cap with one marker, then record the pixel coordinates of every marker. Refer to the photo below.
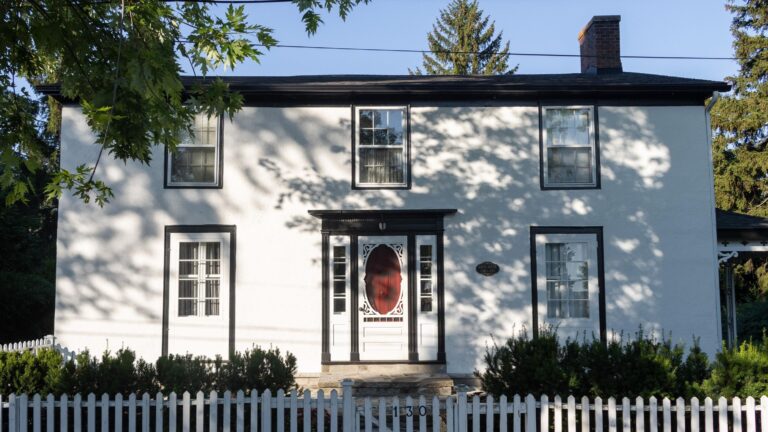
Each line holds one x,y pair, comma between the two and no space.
596,19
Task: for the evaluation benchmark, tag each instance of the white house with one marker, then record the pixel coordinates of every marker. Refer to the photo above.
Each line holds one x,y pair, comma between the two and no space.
404,221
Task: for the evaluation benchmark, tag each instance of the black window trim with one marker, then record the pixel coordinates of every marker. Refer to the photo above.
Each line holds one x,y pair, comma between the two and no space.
219,184
355,184
542,147
199,229
597,231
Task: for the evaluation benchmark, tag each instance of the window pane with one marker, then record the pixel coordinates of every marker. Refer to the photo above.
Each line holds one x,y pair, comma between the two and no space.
425,251
212,287
188,250
339,252
339,305
212,307
187,307
339,270
555,290
366,136
193,164
555,309
339,287
188,268
569,165
568,127
426,305
187,288
366,119
394,127
426,287
576,270
212,250
381,165
426,268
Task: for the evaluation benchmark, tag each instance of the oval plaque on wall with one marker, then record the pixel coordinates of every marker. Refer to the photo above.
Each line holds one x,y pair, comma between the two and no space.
487,268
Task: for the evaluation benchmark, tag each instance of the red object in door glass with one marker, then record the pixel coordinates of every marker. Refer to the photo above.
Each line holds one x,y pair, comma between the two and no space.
382,279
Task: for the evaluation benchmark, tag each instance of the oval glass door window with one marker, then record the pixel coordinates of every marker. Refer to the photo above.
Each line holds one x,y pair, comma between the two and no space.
382,279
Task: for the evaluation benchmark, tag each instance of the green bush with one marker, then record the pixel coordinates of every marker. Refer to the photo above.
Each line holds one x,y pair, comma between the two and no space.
180,373
741,371
27,372
121,373
752,320
642,366
259,369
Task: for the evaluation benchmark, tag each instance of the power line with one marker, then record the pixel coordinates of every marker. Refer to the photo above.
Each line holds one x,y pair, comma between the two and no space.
511,54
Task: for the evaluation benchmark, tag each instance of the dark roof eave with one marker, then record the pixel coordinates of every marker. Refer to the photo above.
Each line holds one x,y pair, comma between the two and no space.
350,87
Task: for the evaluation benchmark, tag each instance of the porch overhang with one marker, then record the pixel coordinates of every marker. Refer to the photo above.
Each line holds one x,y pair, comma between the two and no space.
738,236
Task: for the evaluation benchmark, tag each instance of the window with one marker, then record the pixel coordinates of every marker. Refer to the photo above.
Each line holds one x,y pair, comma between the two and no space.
339,279
567,276
569,153
196,162
567,273
381,152
426,287
199,290
199,278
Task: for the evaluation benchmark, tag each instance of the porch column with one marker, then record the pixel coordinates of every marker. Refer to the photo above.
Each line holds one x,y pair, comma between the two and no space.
730,297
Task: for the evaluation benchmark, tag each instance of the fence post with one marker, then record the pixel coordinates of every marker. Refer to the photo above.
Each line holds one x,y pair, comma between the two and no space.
348,404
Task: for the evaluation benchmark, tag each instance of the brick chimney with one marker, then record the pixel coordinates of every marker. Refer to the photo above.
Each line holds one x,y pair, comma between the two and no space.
600,45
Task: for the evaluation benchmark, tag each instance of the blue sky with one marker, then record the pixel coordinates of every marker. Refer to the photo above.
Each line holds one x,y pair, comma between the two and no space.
648,27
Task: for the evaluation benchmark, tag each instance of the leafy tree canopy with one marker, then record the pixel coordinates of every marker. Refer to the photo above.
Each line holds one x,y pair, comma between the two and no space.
122,60
740,120
464,42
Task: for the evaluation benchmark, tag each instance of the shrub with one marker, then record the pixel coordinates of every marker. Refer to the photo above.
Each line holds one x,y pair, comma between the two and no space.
27,372
741,371
180,373
643,366
752,320
121,373
259,369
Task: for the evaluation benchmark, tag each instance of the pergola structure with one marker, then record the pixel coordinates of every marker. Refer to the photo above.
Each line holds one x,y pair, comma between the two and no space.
739,237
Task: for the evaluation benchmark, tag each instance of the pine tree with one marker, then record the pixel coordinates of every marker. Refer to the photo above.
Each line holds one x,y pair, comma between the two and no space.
463,42
740,145
740,120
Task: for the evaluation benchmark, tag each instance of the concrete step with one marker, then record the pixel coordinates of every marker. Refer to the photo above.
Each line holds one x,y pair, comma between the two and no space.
392,385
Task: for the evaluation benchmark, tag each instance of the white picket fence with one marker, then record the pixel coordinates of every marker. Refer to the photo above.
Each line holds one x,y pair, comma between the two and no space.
293,412
48,341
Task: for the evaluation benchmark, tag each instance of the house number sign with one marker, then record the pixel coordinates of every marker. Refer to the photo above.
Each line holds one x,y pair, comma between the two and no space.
410,411
487,268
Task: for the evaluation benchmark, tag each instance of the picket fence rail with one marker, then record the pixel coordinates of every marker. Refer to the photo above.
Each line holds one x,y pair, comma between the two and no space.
293,412
34,345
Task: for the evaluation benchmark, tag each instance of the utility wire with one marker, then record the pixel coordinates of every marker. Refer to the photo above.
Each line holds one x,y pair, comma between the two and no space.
511,54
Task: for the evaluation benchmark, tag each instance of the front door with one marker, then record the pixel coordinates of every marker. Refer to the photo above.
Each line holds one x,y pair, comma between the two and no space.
383,297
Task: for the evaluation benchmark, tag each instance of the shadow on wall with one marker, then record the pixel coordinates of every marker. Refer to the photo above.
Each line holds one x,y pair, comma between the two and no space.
481,160
484,161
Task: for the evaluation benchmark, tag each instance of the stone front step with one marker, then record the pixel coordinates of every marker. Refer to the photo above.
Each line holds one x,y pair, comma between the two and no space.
391,385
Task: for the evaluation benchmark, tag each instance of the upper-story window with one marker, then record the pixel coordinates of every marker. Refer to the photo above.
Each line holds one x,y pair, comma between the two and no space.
197,160
381,150
569,152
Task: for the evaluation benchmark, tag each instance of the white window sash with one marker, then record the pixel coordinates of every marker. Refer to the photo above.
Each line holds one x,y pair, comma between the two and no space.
403,147
340,342
585,323
223,277
546,146
216,151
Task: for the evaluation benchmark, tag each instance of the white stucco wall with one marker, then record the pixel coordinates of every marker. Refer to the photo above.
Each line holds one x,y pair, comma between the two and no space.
654,206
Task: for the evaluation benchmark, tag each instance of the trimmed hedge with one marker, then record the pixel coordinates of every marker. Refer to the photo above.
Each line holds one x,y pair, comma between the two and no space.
643,366
121,372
